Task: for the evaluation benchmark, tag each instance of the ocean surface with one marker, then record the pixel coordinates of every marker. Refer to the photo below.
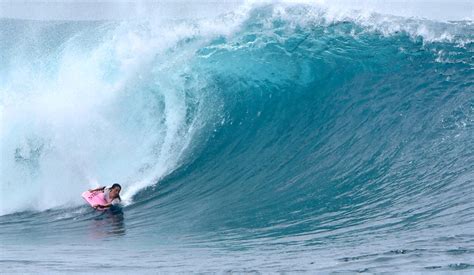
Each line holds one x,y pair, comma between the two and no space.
271,138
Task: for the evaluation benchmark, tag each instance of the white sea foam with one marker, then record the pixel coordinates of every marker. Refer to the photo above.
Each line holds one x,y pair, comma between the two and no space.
123,108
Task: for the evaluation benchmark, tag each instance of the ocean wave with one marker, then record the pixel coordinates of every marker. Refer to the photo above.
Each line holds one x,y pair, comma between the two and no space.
272,135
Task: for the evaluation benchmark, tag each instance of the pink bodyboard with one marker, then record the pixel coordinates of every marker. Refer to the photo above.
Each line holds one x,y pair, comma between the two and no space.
94,198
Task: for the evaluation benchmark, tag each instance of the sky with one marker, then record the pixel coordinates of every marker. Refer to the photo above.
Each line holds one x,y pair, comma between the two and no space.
442,10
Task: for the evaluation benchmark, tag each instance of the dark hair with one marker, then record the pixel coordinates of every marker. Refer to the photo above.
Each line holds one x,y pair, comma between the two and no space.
117,185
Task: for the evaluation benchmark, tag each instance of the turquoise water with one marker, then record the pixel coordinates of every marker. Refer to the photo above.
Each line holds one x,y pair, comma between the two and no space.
270,139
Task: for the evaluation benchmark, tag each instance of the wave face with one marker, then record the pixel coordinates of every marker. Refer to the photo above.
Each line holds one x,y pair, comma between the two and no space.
273,138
